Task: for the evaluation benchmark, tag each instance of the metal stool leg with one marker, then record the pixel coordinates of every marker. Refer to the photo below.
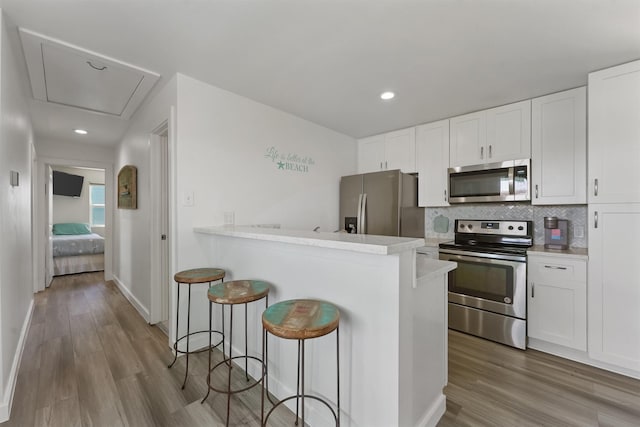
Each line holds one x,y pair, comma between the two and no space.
175,345
230,362
246,345
302,382
298,384
338,372
210,351
186,371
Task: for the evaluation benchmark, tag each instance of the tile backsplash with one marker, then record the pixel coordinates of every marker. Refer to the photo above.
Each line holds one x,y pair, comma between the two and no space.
576,214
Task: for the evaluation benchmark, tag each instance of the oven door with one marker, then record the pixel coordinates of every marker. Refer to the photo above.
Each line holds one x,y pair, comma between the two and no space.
488,283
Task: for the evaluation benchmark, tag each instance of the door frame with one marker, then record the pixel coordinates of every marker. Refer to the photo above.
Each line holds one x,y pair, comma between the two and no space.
160,290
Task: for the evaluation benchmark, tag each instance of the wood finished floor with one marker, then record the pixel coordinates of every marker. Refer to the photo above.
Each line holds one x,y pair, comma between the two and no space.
91,360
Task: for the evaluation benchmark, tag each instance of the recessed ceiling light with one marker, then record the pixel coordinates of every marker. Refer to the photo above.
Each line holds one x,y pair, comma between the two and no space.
80,131
387,95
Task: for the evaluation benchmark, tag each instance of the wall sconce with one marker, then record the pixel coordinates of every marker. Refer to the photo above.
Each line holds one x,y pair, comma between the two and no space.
15,178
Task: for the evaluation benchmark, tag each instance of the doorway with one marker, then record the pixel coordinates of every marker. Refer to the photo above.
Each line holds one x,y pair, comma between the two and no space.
160,230
44,215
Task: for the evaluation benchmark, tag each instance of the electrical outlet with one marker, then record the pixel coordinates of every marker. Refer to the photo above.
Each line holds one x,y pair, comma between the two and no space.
187,198
578,231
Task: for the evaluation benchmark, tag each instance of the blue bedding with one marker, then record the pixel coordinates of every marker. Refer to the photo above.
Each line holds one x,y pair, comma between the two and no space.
83,244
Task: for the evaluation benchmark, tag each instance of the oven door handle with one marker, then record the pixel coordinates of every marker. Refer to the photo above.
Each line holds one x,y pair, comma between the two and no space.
483,257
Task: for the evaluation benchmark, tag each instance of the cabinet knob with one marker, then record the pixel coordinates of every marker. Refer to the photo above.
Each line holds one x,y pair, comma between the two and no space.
489,151
533,289
595,187
481,153
536,191
445,195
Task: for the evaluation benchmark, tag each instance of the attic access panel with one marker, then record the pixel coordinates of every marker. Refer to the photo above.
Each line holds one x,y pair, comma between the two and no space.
68,75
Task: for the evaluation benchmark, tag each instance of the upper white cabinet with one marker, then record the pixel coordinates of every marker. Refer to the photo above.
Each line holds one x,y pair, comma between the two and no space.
494,135
432,162
559,148
371,154
614,134
392,150
614,284
557,300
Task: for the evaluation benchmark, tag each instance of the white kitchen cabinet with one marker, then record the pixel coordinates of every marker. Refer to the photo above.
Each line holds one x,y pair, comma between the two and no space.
614,134
494,135
559,148
388,151
557,300
614,284
371,154
432,162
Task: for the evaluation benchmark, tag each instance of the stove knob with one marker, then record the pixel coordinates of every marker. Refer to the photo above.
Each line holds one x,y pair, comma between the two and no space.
470,226
520,228
511,227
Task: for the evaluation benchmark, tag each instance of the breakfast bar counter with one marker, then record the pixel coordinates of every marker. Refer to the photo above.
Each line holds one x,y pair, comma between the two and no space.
393,327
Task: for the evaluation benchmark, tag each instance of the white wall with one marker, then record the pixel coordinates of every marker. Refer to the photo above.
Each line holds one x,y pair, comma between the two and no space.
77,209
16,278
223,141
132,263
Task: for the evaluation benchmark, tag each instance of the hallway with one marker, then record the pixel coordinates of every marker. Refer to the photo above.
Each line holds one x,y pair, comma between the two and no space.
91,360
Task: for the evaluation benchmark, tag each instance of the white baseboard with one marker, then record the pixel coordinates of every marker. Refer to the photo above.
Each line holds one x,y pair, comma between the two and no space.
432,415
5,405
144,312
578,356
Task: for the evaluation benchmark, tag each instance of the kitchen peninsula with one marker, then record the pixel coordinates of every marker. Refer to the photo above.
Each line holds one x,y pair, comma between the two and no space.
393,342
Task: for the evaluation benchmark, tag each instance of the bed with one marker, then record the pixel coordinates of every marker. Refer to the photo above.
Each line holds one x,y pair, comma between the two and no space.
76,249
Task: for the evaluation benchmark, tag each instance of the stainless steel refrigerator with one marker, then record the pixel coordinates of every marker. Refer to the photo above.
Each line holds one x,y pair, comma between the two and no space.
383,203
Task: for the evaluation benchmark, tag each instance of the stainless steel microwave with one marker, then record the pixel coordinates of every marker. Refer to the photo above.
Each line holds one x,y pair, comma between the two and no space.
491,182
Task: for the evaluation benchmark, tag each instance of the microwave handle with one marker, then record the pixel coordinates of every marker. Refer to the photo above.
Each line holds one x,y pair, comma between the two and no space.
511,181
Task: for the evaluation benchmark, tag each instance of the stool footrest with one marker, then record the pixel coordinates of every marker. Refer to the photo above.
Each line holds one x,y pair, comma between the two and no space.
226,362
200,350
299,396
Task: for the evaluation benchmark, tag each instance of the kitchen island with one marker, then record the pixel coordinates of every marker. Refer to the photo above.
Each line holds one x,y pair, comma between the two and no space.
393,341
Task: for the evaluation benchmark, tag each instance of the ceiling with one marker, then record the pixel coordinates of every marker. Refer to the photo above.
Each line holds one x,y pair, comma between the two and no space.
328,61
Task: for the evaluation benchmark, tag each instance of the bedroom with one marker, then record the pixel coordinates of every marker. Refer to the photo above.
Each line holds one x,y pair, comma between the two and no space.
77,221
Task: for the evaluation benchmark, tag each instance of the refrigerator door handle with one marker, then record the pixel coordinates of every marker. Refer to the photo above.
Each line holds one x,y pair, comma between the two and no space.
364,214
359,222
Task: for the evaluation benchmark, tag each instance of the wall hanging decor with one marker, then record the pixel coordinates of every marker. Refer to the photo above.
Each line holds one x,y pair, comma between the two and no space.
127,188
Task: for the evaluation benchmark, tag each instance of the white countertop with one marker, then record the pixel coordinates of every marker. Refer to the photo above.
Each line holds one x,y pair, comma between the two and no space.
427,268
366,243
578,253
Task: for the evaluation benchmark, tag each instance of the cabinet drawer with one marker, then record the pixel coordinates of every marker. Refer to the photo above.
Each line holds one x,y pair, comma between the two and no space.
553,269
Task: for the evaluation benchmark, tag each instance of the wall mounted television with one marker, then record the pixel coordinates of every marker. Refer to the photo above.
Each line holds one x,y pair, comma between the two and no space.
66,184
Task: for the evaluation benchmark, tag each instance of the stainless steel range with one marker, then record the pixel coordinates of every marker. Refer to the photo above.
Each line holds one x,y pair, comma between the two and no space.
487,292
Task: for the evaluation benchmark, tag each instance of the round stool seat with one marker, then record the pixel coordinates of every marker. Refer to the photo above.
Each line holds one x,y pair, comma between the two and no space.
199,275
238,291
301,319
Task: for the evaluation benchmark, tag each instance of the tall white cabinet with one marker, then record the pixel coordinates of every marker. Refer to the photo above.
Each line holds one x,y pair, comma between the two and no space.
489,136
559,148
614,134
432,162
614,216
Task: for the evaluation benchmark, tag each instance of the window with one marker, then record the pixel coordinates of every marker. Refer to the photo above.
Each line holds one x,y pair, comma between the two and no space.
96,200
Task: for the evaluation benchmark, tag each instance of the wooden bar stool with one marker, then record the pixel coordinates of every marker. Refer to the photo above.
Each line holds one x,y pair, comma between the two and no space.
233,293
300,320
190,277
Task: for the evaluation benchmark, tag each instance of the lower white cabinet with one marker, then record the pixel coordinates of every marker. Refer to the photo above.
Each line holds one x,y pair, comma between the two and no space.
557,300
